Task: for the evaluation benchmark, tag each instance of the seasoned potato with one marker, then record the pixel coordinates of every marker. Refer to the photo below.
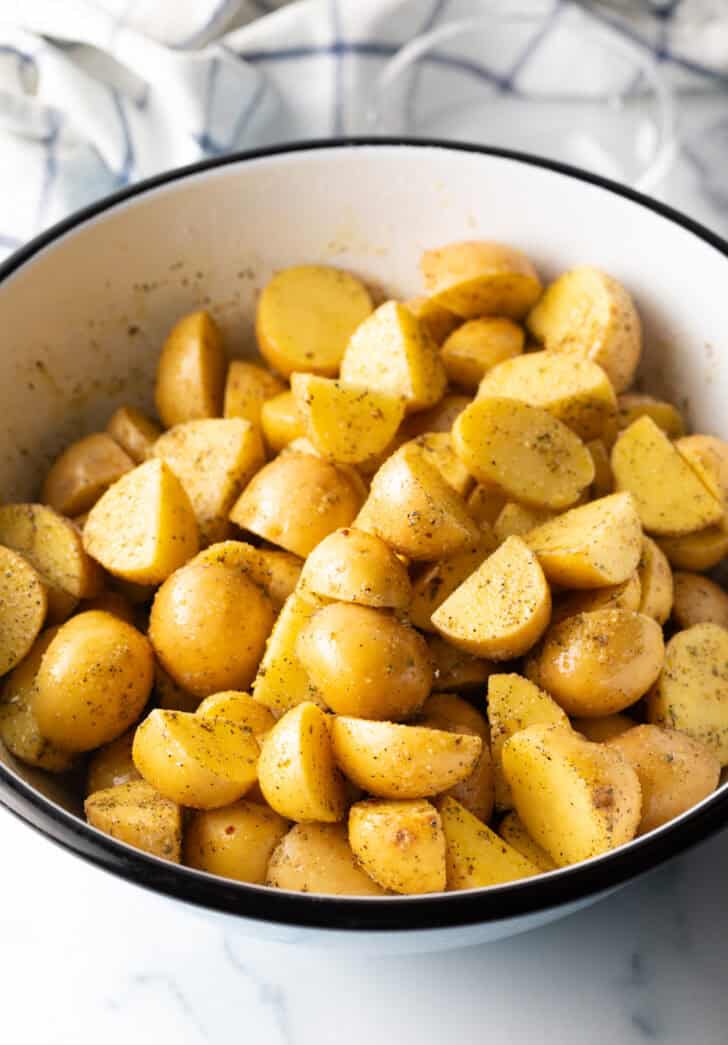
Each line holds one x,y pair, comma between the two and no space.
525,451
83,471
691,694
143,528
282,681
274,571
576,391
502,609
93,681
603,482
698,601
599,730
18,725
234,842
476,278
591,316
400,845
191,371
440,580
280,420
325,500
213,459
208,626
355,474
576,799
675,771
515,834
135,433
112,602
437,449
204,763
392,353
476,856
317,858
395,761
452,668
708,455
413,509
247,388
171,696
364,662
347,423
479,345
631,407
600,662
449,712
656,582
516,520
437,321
296,770
624,596
137,814
112,765
439,418
352,566
485,503
23,608
239,707
697,551
595,545
671,498
306,316
514,703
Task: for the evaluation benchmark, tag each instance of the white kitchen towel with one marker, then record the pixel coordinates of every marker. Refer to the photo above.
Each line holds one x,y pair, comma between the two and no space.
97,93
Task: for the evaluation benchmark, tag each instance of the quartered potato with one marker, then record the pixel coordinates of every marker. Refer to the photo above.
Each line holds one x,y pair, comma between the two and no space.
450,712
526,452
453,668
591,316
576,799
82,473
317,858
247,388
439,418
112,765
478,346
439,322
352,566
23,607
234,842
698,600
476,857
624,596
516,520
656,582
631,407
306,316
515,834
135,433
478,278
601,729
236,706
137,814
400,845
282,681
392,353
191,371
276,572
280,420
697,551
442,578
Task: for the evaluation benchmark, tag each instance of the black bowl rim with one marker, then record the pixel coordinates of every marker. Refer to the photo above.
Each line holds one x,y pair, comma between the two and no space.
441,910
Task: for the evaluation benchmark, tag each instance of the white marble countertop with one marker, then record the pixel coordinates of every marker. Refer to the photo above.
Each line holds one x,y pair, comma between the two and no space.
88,959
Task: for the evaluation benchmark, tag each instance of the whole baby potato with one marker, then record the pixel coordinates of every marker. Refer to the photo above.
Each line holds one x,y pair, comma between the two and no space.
364,662
698,600
235,841
208,626
352,566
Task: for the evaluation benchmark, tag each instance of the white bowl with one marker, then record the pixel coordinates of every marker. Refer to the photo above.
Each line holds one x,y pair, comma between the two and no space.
84,309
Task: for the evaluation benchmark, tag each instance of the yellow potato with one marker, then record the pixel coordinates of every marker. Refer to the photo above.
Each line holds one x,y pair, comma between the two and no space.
317,858
477,278
455,669
698,601
624,596
23,607
485,504
599,730
437,449
671,498
191,371
600,662
692,692
591,316
392,353
18,725
449,712
697,551
280,420
112,602
595,545
203,763
143,528
325,500
478,346
213,459
576,799
666,416
247,388
514,703
346,423
82,473
208,626
137,814
440,580
276,572
355,474
515,834
413,509
390,760
603,483
525,451
437,321
306,316
576,391
401,845
296,770
439,418
234,842
656,583
169,695
240,707
93,681
708,455
282,682
476,856
516,520
112,765
352,566
364,662
135,433
502,609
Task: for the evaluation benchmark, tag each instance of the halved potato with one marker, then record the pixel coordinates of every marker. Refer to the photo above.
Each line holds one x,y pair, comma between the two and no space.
656,582
601,729
400,845
439,322
479,278
450,712
708,455
236,706
631,407
247,388
352,566
317,858
135,433
282,681
515,834
23,608
698,600
502,609
453,668
624,596
191,371
697,551
276,572
440,580
280,420
516,520
83,471
137,814
476,856
234,842
477,346
112,765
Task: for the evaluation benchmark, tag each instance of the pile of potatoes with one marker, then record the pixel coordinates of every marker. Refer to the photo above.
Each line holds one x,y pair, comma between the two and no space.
396,615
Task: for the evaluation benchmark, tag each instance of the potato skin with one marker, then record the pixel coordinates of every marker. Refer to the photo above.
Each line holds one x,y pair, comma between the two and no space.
317,858
401,845
136,814
23,608
352,566
191,371
481,278
237,707
656,582
135,433
247,388
235,841
478,346
601,730
93,682
698,600
276,572
84,470
208,626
